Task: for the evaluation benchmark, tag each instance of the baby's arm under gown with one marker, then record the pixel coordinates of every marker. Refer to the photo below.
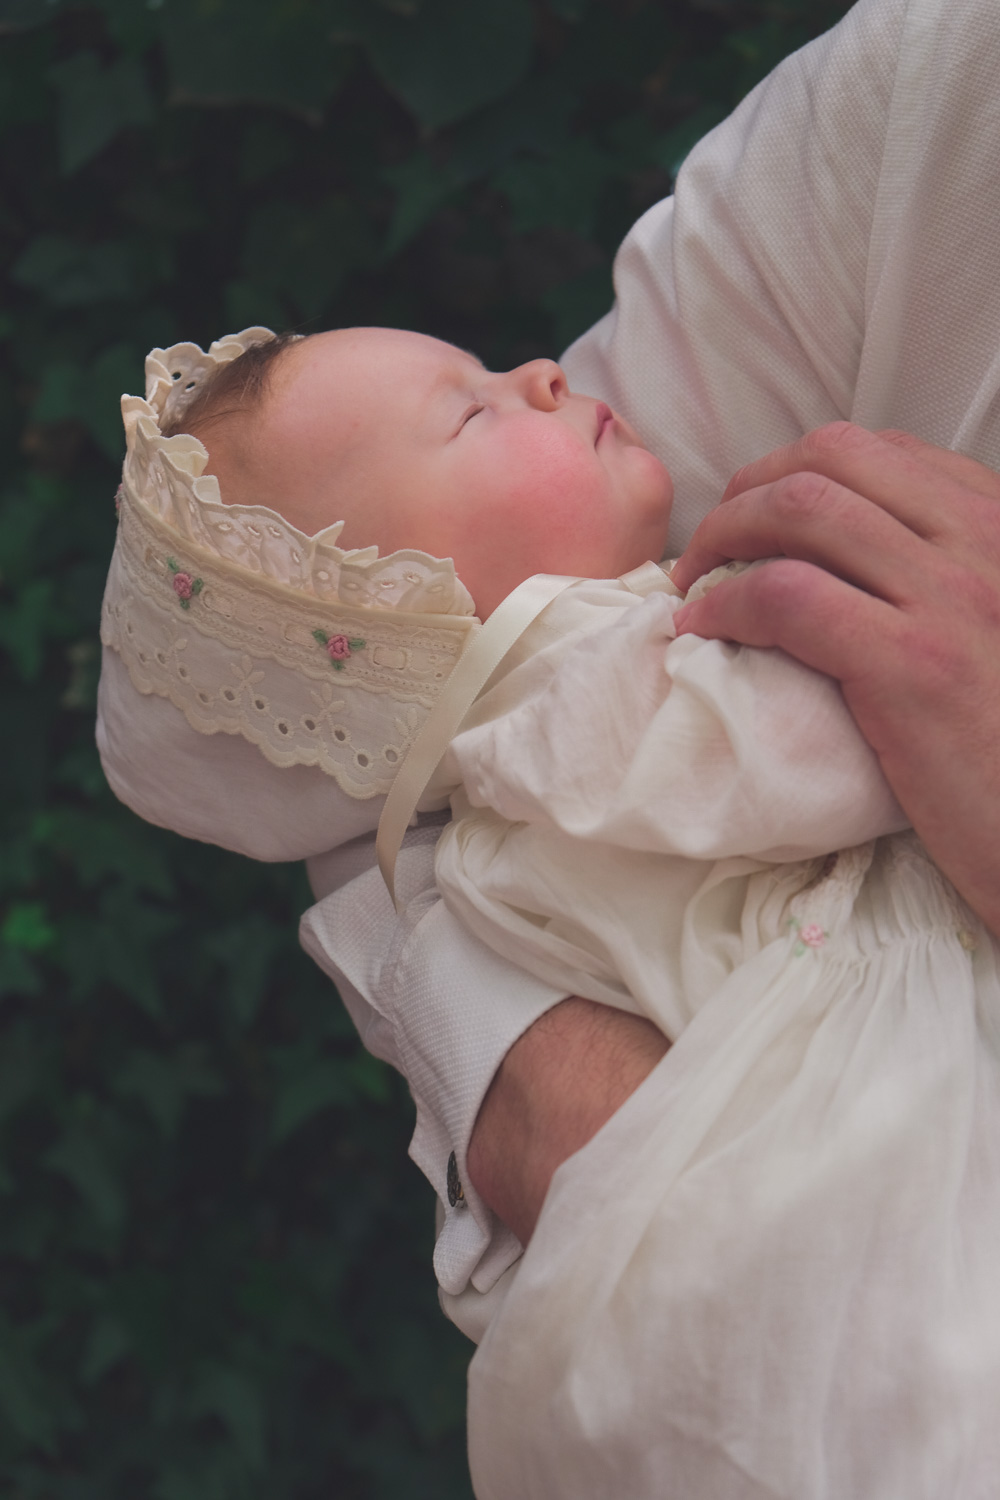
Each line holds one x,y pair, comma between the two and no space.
627,799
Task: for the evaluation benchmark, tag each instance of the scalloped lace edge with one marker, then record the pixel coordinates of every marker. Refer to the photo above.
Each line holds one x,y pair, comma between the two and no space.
167,476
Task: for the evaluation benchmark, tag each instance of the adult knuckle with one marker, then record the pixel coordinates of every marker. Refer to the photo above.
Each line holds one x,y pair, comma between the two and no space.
982,532
978,597
935,662
835,439
802,496
779,588
900,439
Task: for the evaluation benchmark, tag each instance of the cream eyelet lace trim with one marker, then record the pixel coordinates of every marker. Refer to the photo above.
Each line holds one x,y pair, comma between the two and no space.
318,656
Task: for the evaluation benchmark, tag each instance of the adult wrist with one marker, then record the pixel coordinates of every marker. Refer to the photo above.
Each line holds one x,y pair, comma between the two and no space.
560,1082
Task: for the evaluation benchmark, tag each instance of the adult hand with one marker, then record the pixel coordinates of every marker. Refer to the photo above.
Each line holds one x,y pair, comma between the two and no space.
887,577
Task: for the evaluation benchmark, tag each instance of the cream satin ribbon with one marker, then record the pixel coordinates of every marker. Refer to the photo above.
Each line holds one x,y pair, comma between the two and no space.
469,676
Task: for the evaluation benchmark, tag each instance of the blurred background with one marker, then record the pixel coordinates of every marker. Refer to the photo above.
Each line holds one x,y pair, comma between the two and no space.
215,1273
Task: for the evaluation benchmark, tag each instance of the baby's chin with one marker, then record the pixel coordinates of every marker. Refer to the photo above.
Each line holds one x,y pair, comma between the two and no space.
653,498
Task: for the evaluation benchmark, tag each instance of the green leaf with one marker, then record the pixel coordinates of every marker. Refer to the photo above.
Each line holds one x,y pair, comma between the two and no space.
26,926
18,1069
162,1082
80,1158
24,1401
559,191
97,847
108,1344
450,57
247,949
90,394
304,251
25,625
18,15
95,103
672,148
68,273
228,1394
18,975
422,186
371,1078
252,51
309,1084
534,117
578,303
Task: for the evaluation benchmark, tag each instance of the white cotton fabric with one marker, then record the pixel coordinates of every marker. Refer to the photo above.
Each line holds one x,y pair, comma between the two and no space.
774,1272
830,253
789,1286
639,816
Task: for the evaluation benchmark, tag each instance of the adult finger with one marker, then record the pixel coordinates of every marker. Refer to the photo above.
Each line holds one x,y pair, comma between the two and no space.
813,519
821,620
887,473
958,467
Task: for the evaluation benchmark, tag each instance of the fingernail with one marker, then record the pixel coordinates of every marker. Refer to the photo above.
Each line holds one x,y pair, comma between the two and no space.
681,616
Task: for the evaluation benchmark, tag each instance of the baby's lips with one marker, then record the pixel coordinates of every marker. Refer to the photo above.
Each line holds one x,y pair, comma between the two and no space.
605,419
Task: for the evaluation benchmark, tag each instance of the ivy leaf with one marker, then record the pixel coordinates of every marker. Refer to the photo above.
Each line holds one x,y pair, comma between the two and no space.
95,103
18,1070
68,273
89,394
21,15
307,1084
228,1394
578,303
24,1402
422,187
95,847
26,926
675,145
559,191
107,1345
304,251
24,626
252,51
80,1158
247,949
450,57
163,1082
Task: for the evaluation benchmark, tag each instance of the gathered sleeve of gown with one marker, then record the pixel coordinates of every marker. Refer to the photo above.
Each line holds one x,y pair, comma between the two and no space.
680,746
616,808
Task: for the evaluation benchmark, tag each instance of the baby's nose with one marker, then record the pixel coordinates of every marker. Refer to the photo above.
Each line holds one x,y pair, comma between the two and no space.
542,383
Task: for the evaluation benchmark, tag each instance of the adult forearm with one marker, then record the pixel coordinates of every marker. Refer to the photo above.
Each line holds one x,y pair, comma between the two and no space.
559,1083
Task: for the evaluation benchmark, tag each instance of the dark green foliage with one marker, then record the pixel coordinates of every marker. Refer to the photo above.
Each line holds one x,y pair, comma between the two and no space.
214,1257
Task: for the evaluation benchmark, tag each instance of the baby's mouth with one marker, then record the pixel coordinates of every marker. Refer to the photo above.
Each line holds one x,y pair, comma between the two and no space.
605,420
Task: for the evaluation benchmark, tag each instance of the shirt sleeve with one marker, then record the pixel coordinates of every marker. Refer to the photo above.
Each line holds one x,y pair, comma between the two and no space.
439,1006
743,301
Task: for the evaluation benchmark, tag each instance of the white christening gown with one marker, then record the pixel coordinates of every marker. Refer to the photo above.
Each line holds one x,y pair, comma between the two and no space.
696,832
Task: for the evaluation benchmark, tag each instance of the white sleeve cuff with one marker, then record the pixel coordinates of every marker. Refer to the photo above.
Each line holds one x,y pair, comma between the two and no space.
443,1009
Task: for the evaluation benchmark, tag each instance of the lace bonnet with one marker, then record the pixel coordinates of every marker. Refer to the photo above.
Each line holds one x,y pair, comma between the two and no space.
318,657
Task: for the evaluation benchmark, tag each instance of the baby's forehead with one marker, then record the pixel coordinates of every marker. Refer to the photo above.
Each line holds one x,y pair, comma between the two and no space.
392,357
355,380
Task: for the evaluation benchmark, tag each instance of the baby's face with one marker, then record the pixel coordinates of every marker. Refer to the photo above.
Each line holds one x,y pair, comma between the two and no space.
415,445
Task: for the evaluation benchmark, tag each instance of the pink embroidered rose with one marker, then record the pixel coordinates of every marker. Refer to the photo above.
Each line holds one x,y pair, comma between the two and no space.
338,647
183,585
812,935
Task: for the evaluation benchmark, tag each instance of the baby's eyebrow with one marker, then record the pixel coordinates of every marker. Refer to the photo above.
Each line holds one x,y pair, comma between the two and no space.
452,380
